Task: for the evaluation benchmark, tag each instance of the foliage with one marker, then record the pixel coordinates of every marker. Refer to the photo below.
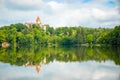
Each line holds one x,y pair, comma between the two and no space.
112,37
20,35
89,38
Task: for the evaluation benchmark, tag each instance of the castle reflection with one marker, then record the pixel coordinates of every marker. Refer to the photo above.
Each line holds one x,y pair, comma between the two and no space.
38,66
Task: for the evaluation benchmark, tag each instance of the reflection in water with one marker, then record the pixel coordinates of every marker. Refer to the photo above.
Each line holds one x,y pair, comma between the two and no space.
38,66
22,56
103,63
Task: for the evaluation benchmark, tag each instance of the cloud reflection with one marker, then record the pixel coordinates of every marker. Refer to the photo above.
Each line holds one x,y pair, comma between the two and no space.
89,70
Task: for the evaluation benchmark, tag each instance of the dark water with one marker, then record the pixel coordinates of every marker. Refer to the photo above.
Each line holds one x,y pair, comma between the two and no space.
60,63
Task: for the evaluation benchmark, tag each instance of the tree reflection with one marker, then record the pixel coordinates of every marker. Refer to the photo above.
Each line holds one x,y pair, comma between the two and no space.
35,55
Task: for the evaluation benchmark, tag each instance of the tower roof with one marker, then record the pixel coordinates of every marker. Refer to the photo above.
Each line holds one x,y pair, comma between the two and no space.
38,19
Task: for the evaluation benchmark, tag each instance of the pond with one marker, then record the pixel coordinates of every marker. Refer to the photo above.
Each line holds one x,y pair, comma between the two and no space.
63,63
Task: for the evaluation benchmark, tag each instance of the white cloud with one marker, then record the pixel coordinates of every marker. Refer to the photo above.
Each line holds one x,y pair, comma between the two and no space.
56,6
23,4
105,15
118,4
90,14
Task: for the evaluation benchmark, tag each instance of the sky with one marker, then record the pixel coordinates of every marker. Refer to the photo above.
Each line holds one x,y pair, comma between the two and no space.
58,13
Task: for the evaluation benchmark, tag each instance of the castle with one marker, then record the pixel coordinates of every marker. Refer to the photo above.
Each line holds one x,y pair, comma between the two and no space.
38,22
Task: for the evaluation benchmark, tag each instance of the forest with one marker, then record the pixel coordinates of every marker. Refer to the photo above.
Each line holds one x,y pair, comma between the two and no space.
20,35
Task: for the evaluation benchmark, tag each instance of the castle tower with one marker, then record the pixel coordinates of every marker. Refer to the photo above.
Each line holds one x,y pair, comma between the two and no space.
38,20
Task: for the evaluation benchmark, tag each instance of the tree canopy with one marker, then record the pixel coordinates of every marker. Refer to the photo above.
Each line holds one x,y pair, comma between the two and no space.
20,35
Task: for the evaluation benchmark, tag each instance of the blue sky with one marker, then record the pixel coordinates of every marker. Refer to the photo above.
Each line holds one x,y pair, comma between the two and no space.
57,13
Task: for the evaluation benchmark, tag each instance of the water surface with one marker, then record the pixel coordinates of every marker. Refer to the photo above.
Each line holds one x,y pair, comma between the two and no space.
60,63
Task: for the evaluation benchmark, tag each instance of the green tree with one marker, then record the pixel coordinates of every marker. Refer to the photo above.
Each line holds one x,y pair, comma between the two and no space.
2,36
89,38
66,41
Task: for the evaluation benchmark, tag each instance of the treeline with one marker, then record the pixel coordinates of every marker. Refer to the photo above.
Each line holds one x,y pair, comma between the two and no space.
21,35
112,37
